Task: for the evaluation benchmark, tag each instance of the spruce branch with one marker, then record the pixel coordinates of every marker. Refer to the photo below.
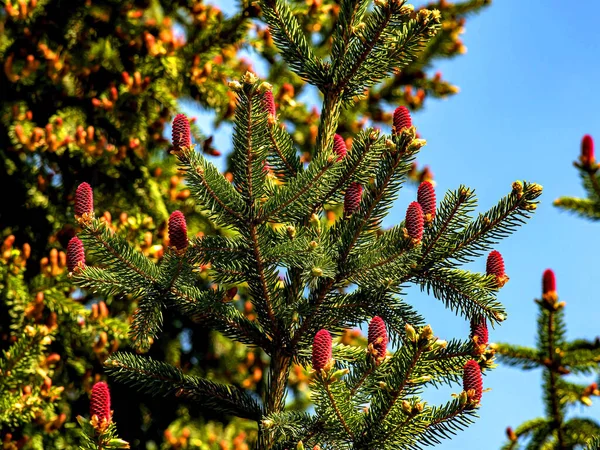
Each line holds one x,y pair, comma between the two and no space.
155,377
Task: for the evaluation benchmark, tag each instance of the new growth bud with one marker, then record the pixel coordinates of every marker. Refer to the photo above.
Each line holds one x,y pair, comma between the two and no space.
321,351
495,266
378,338
100,402
178,231
181,134
402,120
339,147
84,201
414,222
75,254
472,382
352,198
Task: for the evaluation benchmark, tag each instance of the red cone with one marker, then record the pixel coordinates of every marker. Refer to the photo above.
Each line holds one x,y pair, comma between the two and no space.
479,334
321,351
352,198
472,381
178,231
495,266
269,103
84,200
587,151
414,221
548,282
75,254
181,134
401,119
100,401
339,147
426,198
378,337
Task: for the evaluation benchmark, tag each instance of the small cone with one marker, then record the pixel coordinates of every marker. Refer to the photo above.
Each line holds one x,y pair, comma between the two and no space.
75,254
549,286
472,382
178,231
414,222
352,198
339,147
269,103
378,337
402,119
100,402
495,266
587,157
181,135
84,200
426,198
479,334
321,351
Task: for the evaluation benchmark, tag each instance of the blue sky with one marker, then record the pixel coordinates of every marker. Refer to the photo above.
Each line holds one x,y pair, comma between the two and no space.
529,92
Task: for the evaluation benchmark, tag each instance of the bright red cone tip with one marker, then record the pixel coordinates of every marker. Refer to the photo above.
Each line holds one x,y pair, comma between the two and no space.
426,198
75,254
414,221
495,266
472,380
339,147
269,103
178,231
352,198
587,150
378,336
479,333
100,401
321,351
401,119
84,200
181,134
548,282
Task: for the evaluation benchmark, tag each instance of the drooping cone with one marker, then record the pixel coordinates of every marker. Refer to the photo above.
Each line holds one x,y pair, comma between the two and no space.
84,200
378,337
339,147
495,266
401,119
426,198
75,254
549,286
100,402
414,222
479,334
178,231
587,157
352,198
472,382
321,351
181,134
269,103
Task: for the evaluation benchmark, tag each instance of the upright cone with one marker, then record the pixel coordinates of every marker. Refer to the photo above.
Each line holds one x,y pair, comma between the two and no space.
321,351
181,134
178,231
587,157
378,337
100,402
75,254
84,200
402,119
352,198
479,334
339,147
269,103
414,222
472,382
426,198
495,266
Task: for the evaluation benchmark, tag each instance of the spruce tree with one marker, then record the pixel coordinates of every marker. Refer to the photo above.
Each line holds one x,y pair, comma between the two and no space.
307,277
558,358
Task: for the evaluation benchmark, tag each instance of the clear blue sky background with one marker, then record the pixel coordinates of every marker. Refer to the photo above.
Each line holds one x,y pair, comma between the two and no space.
529,91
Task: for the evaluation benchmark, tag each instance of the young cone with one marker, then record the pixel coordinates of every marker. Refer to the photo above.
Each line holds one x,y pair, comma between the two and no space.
402,119
75,254
426,198
352,198
100,402
587,157
181,135
321,351
339,147
178,231
549,286
495,266
269,103
472,382
378,337
414,222
84,200
479,334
